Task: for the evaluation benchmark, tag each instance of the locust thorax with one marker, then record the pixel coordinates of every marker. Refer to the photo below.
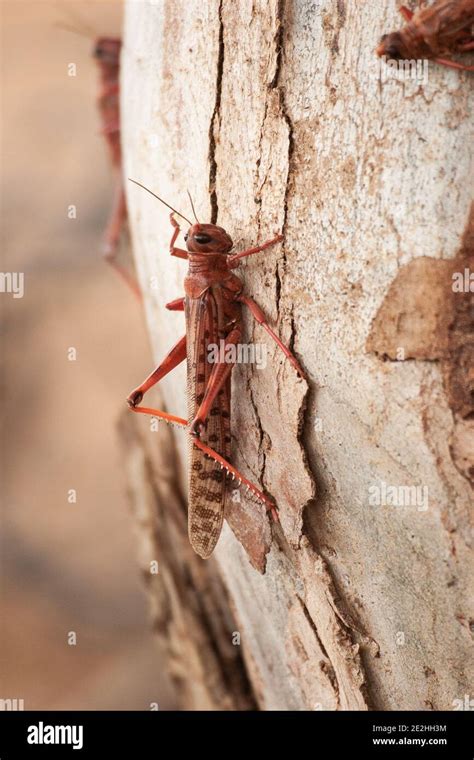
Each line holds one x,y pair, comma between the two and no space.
208,238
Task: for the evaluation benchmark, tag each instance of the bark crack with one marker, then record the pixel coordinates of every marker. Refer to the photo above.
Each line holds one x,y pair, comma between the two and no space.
283,261
214,121
273,85
278,44
281,269
328,667
260,431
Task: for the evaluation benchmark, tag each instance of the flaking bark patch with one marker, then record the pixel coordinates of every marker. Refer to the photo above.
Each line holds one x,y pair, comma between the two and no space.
414,318
428,315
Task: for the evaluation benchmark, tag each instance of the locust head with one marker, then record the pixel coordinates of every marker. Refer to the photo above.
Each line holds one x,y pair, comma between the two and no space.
393,47
107,50
207,238
200,238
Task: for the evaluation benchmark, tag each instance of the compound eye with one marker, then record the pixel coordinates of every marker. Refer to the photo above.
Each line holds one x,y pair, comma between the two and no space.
202,238
392,52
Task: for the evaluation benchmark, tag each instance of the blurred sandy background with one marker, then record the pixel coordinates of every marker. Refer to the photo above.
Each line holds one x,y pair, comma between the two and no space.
65,567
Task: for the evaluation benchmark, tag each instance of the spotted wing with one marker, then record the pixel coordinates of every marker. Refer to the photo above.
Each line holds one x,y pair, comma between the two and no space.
207,482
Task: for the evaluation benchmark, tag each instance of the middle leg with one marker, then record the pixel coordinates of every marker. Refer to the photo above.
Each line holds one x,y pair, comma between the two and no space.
260,317
175,357
219,374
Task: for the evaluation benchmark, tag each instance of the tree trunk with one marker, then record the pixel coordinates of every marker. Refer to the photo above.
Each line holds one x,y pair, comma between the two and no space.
273,115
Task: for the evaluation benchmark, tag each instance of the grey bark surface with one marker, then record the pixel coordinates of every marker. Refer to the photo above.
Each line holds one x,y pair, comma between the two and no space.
272,115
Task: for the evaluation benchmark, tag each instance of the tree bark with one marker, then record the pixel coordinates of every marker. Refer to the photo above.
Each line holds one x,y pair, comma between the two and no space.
273,115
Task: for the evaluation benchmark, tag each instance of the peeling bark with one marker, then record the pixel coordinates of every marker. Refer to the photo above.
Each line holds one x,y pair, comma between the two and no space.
428,314
269,114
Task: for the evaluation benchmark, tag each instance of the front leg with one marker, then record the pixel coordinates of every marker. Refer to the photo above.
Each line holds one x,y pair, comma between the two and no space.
178,252
234,260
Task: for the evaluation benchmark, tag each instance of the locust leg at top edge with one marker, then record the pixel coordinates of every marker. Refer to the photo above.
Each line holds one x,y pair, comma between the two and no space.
453,64
466,46
406,13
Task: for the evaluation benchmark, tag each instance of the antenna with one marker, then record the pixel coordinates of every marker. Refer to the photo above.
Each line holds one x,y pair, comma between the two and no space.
78,21
192,206
74,30
161,200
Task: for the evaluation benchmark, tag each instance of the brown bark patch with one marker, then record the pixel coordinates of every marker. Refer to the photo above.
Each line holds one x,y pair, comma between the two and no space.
428,314
414,318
